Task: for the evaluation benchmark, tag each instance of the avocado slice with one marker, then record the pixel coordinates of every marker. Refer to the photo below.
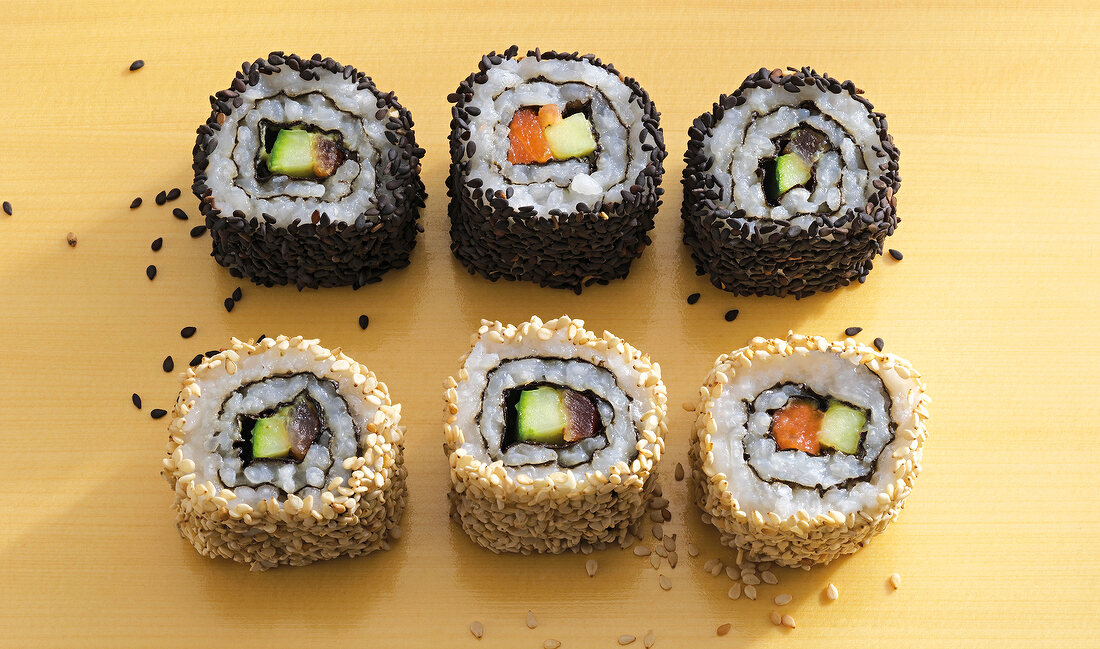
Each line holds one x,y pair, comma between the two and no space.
292,154
842,427
790,172
540,416
271,435
570,138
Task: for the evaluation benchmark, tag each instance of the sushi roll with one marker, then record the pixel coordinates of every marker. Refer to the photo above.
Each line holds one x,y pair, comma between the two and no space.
283,452
308,174
790,185
556,164
553,435
805,449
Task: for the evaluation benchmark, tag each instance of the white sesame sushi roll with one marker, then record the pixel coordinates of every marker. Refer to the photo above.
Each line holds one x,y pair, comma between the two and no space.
283,452
553,435
805,449
308,174
556,166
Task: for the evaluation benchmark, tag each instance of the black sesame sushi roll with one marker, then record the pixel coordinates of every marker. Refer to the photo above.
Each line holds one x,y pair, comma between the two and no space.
804,449
556,165
553,434
281,452
308,174
789,185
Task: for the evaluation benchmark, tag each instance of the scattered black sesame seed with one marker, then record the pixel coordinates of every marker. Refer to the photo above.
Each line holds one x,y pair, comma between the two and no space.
731,315
179,214
157,243
363,321
157,413
168,364
137,65
136,203
198,231
851,331
7,208
71,239
693,298
237,294
879,344
229,304
161,198
187,332
173,194
136,398
196,360
896,254
151,271
261,337
212,353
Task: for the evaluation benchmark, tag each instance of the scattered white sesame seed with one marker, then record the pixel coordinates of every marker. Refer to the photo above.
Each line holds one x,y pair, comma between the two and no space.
783,599
832,593
895,581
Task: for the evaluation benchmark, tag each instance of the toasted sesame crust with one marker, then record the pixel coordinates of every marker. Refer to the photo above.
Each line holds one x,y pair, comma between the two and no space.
350,519
505,510
799,540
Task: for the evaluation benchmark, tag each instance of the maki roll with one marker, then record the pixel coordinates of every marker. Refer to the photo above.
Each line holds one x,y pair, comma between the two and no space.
790,185
282,452
308,174
804,449
553,434
556,164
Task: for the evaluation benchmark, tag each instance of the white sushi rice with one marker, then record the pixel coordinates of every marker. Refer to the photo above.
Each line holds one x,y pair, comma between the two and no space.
616,120
581,368
745,136
785,482
259,384
329,103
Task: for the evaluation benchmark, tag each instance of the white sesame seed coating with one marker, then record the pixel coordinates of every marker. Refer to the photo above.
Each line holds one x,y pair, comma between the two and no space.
349,520
799,540
506,510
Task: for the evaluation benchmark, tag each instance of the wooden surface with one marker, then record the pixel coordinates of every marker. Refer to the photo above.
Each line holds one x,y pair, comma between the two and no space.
993,108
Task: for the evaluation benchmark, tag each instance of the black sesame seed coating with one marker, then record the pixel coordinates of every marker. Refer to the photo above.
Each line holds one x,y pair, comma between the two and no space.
591,245
779,258
314,251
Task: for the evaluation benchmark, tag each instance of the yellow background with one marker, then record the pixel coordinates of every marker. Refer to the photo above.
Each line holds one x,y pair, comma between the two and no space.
994,108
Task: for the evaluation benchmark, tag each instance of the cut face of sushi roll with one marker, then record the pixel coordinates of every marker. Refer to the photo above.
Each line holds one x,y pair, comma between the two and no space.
789,185
556,163
308,175
553,435
284,437
805,449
